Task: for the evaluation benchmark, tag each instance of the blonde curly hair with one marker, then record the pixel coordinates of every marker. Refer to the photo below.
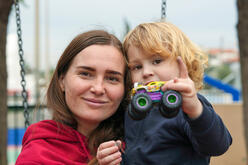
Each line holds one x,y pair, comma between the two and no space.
166,39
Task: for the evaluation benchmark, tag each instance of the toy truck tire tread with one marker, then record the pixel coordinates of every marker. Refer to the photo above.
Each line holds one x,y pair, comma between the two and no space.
171,102
134,115
141,103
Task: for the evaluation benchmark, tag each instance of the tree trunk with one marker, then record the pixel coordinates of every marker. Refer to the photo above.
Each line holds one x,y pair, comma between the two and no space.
5,8
242,28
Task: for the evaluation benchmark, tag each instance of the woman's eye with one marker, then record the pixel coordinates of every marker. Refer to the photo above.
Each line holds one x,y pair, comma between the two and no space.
113,79
85,74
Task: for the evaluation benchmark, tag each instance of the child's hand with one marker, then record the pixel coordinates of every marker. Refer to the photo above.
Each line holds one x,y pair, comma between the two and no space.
108,153
191,105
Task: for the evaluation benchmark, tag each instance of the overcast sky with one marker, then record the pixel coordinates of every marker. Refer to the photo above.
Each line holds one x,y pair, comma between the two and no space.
210,24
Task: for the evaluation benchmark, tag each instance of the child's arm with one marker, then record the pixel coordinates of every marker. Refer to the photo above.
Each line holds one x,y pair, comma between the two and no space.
208,134
204,127
108,153
191,105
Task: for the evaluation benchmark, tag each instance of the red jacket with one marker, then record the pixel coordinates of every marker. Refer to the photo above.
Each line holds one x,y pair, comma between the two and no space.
46,142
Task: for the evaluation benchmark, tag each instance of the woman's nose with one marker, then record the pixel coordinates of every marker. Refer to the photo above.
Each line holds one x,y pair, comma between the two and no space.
97,87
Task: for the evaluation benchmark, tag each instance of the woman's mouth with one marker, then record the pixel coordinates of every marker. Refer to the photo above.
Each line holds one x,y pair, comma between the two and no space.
95,102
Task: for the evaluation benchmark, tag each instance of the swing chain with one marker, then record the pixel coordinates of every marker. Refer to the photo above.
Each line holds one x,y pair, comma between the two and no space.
163,10
21,62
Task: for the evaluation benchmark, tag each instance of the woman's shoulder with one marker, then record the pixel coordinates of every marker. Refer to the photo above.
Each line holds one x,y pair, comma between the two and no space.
48,129
38,130
44,125
47,142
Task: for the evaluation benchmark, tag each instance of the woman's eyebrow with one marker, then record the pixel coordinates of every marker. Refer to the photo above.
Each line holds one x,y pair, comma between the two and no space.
114,72
92,69
86,67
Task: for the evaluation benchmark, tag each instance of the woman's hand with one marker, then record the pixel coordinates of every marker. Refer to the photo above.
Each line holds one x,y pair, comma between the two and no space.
191,105
108,153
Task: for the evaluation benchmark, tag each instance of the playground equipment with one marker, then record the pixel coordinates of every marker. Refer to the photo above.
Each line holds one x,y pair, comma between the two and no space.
21,53
222,86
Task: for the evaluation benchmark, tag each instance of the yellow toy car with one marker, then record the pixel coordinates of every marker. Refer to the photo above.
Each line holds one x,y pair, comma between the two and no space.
144,95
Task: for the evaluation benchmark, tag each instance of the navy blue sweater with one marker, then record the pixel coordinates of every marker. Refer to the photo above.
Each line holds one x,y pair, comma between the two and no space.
156,140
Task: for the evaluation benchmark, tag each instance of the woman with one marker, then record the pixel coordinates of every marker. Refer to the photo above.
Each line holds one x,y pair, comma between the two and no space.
87,95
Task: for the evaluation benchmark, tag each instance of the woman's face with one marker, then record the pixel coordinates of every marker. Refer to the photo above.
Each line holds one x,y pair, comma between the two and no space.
94,85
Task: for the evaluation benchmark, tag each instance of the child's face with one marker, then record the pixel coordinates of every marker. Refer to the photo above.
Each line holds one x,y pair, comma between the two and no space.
146,67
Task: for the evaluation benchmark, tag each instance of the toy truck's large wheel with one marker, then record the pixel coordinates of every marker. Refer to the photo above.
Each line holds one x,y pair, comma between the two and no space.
141,103
170,103
134,115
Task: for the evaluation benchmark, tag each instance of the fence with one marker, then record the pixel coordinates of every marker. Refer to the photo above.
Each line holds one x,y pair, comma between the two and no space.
16,127
217,96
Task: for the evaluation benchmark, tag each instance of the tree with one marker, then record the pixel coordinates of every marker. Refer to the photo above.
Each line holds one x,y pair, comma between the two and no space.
127,28
5,8
242,29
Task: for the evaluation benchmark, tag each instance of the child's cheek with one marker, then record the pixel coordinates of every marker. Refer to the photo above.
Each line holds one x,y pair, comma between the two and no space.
134,77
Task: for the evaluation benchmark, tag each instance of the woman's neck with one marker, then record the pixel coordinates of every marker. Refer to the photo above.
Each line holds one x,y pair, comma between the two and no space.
86,128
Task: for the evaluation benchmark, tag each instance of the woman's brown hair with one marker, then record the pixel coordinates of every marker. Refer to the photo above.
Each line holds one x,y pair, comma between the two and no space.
109,129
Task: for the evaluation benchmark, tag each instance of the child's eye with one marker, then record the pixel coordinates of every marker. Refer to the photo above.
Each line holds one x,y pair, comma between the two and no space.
157,61
136,67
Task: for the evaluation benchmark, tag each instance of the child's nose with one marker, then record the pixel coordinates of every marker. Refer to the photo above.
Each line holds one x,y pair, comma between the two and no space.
147,72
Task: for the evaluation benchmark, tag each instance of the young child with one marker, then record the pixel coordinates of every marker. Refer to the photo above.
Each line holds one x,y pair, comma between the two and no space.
161,52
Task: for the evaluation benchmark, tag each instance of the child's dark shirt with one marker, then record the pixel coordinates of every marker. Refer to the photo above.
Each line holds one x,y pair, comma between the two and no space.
156,140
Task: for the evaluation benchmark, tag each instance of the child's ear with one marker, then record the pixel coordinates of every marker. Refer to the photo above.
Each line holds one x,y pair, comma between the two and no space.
61,83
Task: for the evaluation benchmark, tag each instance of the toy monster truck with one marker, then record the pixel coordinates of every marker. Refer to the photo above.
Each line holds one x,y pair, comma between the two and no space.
143,97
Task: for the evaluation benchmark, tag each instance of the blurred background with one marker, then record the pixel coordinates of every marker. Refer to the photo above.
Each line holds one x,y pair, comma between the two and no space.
49,25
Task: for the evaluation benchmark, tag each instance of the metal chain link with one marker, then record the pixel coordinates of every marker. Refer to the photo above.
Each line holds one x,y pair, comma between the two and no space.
21,62
163,10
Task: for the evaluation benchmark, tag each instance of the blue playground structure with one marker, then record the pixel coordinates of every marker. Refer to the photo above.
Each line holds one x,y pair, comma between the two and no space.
222,86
